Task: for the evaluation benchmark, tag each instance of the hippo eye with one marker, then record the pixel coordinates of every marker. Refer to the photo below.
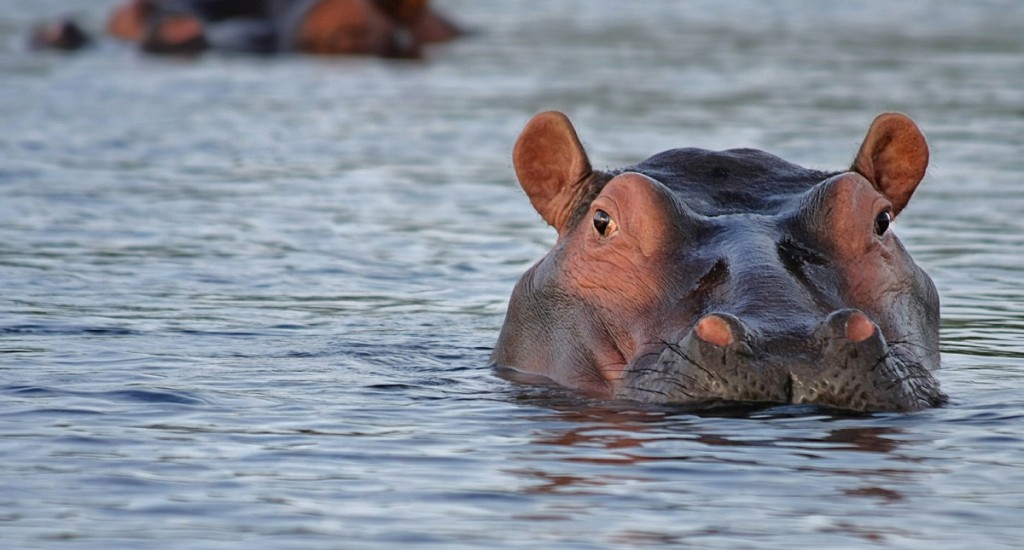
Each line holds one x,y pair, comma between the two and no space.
882,221
603,223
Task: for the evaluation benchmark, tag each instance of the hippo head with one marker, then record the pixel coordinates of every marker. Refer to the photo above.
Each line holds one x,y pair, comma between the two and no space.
699,277
63,34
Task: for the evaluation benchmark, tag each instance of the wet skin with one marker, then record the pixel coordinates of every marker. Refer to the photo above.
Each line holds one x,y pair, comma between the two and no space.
698,277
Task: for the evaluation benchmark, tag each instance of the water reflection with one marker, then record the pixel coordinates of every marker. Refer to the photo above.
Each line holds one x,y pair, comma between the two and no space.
597,448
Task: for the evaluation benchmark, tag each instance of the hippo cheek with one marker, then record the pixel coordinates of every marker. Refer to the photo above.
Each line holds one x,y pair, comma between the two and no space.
620,254
619,261
843,217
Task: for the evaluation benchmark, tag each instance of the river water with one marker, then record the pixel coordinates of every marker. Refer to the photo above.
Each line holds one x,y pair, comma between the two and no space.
249,302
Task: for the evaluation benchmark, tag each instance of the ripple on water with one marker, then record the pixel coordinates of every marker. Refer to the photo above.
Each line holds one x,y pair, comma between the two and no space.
249,302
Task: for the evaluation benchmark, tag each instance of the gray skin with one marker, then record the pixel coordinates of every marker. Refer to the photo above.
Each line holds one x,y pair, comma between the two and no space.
699,277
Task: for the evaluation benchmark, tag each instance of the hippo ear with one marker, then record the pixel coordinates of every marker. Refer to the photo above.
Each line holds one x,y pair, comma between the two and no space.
893,157
551,166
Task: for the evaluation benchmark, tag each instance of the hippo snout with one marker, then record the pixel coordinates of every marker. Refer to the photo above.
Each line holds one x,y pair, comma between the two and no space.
845,362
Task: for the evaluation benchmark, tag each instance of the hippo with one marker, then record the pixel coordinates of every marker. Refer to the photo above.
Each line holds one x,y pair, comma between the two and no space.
386,28
704,278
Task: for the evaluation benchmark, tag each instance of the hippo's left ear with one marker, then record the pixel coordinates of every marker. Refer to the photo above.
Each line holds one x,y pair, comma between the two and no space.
893,157
551,165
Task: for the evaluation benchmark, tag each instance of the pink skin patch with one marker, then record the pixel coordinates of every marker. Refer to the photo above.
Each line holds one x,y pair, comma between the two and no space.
859,327
715,330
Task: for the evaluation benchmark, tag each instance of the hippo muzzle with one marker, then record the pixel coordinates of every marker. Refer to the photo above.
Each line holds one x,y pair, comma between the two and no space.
845,363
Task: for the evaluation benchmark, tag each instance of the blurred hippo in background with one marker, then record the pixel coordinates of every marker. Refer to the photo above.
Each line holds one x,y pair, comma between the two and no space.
707,277
63,34
386,28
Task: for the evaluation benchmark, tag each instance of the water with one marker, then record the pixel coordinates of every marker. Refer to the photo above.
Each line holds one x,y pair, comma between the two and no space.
249,302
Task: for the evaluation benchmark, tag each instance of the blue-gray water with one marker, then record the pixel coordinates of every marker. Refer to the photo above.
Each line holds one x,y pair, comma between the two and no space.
248,303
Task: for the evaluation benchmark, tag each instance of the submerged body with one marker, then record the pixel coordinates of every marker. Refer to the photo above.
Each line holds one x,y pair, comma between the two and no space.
699,277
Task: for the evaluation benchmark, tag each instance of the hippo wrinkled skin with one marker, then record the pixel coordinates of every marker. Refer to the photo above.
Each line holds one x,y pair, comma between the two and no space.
702,277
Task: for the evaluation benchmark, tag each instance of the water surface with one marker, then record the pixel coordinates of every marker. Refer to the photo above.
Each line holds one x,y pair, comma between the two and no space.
250,301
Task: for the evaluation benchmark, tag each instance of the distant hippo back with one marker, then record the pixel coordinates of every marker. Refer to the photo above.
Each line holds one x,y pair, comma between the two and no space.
698,277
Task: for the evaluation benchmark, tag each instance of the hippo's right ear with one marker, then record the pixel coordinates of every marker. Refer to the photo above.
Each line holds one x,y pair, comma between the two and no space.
551,165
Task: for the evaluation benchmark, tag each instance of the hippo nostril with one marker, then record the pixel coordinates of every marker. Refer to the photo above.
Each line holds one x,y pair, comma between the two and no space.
847,324
715,330
859,327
